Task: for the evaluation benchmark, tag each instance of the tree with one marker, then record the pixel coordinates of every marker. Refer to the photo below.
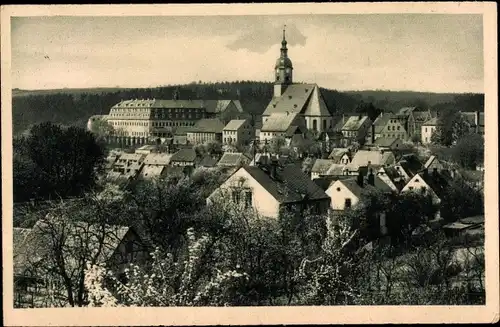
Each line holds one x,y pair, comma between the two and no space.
451,126
328,279
73,234
169,282
101,128
165,208
408,211
469,151
416,139
276,144
460,200
213,147
66,161
369,109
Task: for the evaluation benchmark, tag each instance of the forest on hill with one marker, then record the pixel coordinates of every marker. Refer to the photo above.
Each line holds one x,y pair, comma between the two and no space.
75,106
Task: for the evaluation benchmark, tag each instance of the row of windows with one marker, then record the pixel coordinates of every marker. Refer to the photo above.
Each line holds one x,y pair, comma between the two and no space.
234,133
154,124
315,124
173,123
156,111
394,136
129,123
272,134
393,128
162,115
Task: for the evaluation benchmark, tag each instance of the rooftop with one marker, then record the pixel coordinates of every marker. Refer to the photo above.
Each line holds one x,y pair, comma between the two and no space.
300,98
288,185
321,166
279,122
354,123
385,141
35,246
157,159
184,155
233,159
234,124
432,122
208,125
375,158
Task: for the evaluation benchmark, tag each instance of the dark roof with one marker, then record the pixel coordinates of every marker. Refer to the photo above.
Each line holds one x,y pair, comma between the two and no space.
208,161
325,182
289,185
394,176
188,155
182,130
208,125
233,159
292,130
385,141
438,181
35,246
352,185
411,164
379,184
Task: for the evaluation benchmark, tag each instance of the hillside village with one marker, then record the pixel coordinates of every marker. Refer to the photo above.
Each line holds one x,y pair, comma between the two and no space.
299,157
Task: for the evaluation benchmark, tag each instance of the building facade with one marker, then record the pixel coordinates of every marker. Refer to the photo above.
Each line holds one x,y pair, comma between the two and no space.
138,121
304,99
238,132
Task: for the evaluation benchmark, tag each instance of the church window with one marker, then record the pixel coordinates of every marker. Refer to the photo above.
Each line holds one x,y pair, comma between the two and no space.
315,124
324,123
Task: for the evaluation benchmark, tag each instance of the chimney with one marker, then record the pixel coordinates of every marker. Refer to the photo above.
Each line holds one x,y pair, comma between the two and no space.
477,121
426,172
371,178
273,167
359,179
373,133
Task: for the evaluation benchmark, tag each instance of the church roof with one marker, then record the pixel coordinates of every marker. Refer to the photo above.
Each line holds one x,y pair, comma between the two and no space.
300,98
278,122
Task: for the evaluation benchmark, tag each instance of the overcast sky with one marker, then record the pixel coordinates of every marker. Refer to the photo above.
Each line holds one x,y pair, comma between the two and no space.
420,52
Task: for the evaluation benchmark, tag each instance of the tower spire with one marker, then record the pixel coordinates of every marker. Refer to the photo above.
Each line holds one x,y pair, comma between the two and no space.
283,43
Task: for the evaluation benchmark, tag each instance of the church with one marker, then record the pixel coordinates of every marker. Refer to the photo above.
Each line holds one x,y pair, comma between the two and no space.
304,102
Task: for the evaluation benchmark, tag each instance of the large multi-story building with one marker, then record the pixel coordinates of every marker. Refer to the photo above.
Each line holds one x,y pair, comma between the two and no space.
140,120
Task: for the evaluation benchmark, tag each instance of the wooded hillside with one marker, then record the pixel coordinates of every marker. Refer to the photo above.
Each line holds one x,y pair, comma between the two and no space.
75,106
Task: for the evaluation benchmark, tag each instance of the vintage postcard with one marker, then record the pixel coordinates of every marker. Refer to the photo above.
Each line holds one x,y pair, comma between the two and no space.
243,164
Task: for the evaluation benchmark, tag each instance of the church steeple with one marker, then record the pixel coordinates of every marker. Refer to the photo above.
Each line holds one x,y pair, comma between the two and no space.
283,68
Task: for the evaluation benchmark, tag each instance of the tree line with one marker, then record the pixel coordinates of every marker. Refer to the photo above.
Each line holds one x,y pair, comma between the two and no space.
74,108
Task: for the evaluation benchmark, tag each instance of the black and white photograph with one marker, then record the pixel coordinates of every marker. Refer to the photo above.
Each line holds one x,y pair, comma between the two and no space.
211,156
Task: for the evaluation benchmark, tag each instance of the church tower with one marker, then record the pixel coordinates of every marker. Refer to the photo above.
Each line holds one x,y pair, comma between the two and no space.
282,70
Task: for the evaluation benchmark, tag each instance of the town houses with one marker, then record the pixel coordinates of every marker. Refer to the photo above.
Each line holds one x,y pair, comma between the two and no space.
355,152
299,155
